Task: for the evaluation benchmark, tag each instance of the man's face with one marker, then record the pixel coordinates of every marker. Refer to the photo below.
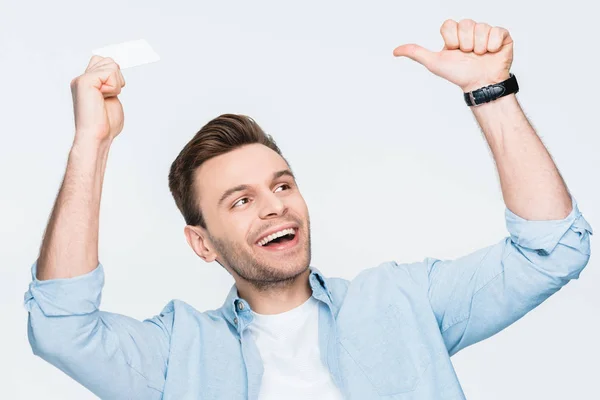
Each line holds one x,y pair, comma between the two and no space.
245,195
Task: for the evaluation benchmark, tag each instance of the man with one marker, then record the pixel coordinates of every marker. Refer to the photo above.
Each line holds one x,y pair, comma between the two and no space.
286,331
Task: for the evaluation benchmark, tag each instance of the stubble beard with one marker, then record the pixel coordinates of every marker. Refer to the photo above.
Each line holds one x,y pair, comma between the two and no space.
262,276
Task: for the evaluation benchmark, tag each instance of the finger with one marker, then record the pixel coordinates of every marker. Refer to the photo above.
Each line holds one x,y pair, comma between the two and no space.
449,31
498,38
416,53
93,61
118,79
122,78
105,62
482,33
466,29
118,74
111,86
104,79
110,64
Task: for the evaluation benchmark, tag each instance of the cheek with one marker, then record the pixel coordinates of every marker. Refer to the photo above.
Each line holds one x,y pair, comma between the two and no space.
300,206
235,226
240,232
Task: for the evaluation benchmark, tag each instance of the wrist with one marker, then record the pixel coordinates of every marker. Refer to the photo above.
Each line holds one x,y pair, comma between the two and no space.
508,101
89,151
89,142
478,84
492,92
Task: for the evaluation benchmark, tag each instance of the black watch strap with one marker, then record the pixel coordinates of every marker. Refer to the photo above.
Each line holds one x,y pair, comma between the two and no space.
492,92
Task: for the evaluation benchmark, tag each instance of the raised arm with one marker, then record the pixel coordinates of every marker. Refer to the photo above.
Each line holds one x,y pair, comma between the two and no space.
476,55
70,244
114,356
477,295
531,184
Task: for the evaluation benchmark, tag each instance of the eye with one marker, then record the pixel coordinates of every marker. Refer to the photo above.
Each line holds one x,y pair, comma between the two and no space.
284,185
239,201
245,200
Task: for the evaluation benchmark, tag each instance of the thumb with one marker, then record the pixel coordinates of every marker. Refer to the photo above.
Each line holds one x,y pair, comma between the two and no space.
416,53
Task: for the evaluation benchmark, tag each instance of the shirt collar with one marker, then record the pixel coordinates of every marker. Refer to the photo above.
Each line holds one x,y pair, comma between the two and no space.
237,310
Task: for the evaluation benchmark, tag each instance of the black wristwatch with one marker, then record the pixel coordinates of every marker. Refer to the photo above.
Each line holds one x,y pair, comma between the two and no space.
492,92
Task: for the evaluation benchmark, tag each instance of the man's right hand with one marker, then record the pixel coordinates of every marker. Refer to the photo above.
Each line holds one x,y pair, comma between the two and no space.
98,111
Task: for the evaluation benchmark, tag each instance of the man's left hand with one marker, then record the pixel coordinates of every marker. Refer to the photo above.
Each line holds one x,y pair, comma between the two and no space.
474,54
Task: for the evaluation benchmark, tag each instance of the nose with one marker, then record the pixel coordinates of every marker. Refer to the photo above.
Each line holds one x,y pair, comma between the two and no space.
272,206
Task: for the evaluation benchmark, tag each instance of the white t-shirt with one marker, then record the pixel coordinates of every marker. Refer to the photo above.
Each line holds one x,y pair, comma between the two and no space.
289,347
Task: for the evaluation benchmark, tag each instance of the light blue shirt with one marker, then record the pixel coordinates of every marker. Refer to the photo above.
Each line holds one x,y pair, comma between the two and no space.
389,333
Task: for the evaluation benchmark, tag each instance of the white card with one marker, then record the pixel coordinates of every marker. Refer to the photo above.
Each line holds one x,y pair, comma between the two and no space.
129,54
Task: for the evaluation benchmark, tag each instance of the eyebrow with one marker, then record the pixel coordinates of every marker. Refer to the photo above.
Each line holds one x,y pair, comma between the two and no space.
239,188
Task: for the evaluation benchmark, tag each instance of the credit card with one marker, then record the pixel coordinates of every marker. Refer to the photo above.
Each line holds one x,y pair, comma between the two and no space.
129,54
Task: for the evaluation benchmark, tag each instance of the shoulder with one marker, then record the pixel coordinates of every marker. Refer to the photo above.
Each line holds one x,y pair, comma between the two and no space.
394,273
387,277
179,312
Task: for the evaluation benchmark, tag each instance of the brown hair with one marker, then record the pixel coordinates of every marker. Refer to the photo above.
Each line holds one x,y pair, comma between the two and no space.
220,135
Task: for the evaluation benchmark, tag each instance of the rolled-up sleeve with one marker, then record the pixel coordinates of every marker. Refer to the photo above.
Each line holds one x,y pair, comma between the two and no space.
113,355
73,296
475,296
545,236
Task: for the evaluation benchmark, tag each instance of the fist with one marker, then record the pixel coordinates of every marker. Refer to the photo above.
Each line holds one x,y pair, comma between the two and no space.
98,111
474,54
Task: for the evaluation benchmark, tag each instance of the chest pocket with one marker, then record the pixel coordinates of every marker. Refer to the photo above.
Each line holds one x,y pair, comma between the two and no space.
389,349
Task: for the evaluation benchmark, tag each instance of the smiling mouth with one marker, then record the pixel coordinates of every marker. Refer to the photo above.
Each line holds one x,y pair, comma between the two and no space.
284,240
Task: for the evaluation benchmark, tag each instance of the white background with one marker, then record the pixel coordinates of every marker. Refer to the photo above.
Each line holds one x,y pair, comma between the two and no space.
388,157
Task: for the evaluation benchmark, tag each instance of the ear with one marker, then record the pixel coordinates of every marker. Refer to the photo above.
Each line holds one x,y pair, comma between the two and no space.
199,241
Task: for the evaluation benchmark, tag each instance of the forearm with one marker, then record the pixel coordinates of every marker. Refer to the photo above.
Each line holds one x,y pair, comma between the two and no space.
531,183
70,244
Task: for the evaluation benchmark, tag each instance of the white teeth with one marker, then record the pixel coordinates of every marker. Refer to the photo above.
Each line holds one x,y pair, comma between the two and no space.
267,239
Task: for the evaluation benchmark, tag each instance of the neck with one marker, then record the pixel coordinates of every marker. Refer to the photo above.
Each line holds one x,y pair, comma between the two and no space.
276,299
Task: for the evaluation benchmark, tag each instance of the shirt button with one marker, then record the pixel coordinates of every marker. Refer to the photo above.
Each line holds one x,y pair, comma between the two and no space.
240,306
235,320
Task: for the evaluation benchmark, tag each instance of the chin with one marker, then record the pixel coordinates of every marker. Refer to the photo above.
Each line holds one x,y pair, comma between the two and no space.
292,267
286,269
285,260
